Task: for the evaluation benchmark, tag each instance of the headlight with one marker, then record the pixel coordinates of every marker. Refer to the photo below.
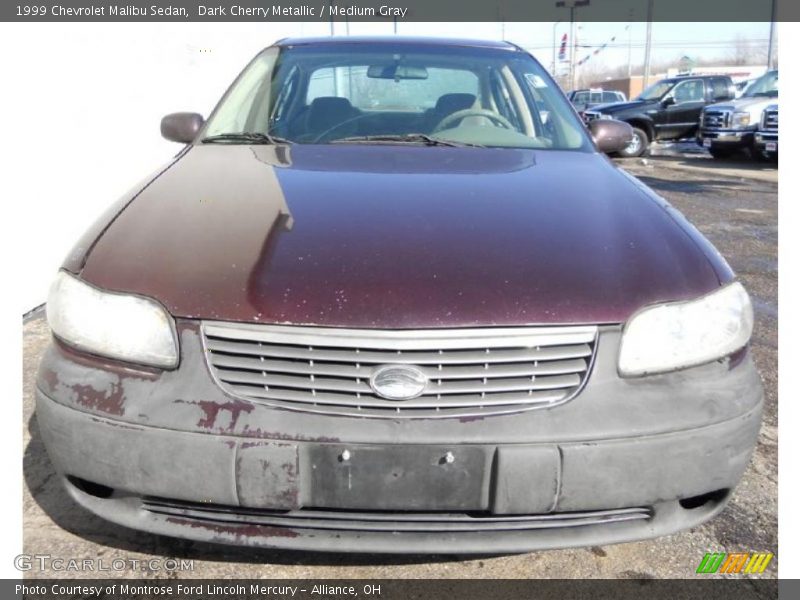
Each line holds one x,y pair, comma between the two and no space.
673,336
121,326
740,120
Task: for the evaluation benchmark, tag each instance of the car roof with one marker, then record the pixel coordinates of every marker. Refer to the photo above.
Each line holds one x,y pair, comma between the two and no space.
396,39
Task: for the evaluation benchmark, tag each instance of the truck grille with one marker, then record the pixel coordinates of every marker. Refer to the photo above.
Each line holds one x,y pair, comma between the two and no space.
589,116
468,371
769,120
716,119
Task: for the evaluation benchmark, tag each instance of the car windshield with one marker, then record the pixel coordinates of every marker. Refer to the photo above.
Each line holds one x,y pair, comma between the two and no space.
655,91
766,85
427,94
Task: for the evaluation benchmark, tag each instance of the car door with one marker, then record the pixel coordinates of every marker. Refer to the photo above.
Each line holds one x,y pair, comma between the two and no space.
683,110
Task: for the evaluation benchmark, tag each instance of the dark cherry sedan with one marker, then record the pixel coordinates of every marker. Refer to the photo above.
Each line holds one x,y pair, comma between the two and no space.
392,297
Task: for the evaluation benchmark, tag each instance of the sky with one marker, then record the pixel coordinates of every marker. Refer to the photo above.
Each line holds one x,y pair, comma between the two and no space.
670,40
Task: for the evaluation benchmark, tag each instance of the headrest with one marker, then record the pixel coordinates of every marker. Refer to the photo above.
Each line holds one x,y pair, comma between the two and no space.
450,103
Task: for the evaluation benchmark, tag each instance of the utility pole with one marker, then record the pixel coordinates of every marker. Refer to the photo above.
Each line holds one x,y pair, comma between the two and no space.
648,43
630,33
572,5
572,65
770,59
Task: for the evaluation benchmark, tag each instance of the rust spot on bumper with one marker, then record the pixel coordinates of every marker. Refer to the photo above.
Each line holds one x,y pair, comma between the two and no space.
213,410
249,530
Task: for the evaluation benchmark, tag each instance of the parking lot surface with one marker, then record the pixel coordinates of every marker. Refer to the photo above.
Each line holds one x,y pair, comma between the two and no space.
734,203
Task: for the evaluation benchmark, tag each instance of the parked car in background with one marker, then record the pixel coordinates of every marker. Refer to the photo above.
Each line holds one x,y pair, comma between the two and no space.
766,137
447,326
667,110
729,127
583,99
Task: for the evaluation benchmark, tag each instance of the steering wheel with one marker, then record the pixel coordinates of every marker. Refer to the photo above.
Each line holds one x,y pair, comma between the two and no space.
338,126
473,112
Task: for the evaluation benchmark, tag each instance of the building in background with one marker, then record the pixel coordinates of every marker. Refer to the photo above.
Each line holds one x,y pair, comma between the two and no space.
632,86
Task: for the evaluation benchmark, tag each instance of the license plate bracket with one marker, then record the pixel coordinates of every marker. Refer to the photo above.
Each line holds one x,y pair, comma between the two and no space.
408,477
706,142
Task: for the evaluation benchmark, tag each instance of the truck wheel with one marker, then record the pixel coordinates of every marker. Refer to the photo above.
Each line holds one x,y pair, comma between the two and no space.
638,145
721,152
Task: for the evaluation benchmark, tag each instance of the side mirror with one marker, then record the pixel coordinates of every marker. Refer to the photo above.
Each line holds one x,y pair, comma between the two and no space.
610,135
668,101
181,127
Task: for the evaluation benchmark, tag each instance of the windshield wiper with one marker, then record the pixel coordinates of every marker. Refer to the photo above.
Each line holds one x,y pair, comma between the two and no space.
408,138
249,137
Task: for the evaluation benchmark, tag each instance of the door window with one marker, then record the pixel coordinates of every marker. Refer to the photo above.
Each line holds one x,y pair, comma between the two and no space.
689,91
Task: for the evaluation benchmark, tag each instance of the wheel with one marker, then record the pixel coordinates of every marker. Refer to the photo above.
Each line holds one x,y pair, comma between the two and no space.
638,145
721,152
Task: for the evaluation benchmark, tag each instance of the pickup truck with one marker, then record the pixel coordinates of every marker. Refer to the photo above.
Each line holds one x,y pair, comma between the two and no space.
729,127
667,110
766,137
587,98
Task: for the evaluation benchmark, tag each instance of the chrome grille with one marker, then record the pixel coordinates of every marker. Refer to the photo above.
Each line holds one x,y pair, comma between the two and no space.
769,120
589,116
716,119
469,371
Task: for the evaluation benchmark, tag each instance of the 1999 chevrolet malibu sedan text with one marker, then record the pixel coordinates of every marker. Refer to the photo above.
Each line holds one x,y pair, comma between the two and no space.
391,297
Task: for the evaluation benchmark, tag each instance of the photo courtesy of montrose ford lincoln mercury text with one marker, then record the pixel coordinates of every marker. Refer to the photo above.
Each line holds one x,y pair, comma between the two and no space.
391,296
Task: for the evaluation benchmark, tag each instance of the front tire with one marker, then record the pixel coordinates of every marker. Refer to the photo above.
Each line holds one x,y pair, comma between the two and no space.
638,146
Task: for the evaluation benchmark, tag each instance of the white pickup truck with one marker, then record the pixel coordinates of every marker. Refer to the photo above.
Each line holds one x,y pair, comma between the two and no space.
729,127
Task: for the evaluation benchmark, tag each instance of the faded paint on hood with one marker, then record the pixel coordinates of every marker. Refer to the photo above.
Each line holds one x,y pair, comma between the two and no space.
401,236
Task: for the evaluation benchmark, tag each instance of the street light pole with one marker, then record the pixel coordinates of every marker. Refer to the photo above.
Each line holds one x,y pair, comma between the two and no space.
572,65
647,43
572,5
770,59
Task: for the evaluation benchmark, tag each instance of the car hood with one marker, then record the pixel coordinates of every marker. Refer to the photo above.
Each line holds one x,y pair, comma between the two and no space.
754,104
393,236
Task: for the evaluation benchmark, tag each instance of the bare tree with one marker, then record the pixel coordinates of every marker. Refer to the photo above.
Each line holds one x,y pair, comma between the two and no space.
745,52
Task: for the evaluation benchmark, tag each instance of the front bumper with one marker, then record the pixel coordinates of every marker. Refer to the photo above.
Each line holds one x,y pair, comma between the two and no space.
767,141
725,138
169,453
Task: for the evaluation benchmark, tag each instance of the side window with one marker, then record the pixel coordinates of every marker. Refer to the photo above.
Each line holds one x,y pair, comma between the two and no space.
719,89
581,98
597,97
610,97
324,82
689,91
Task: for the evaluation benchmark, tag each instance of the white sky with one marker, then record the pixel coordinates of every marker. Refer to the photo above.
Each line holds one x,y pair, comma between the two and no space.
670,40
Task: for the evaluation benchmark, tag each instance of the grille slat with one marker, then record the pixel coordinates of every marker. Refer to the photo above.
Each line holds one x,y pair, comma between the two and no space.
716,119
469,371
415,358
548,367
400,522
423,402
770,119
